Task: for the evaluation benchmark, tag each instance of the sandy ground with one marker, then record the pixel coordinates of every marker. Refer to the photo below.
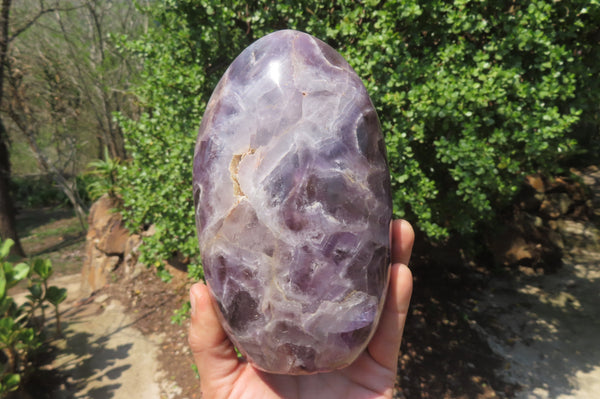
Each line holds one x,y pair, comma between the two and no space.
547,330
546,327
103,355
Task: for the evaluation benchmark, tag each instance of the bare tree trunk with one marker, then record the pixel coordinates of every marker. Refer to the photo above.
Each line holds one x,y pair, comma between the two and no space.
23,118
47,166
7,210
110,134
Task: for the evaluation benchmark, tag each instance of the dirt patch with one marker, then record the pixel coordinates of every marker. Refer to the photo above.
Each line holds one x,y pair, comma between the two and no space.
442,356
153,303
99,355
545,326
53,233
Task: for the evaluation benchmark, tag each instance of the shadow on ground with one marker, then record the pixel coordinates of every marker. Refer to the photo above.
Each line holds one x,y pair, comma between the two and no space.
81,359
92,361
101,355
473,332
442,355
480,331
67,241
546,327
30,219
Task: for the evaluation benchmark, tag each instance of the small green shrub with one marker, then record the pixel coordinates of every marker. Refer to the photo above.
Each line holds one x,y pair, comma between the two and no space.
181,314
22,327
102,177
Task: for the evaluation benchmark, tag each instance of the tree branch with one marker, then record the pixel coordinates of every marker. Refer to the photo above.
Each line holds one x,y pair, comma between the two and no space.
42,12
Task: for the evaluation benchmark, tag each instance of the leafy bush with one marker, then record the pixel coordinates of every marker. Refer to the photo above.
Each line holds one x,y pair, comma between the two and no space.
102,177
22,327
35,191
472,96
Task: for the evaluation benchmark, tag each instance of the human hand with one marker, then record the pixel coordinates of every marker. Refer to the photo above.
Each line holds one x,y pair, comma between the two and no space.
372,375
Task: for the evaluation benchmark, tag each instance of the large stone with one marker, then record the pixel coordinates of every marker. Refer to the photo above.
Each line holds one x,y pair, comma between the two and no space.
536,182
293,205
106,228
106,243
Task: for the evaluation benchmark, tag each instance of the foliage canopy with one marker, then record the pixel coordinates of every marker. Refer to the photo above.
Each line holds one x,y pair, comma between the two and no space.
472,96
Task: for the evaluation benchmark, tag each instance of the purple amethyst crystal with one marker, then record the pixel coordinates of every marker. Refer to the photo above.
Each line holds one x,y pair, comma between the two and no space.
293,206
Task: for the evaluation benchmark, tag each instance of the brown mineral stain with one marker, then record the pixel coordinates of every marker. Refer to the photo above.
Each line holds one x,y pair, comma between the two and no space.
234,168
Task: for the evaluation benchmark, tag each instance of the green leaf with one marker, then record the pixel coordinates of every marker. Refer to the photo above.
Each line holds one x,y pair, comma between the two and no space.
43,268
6,324
18,273
36,291
164,275
56,295
11,381
5,248
195,370
27,337
7,305
2,282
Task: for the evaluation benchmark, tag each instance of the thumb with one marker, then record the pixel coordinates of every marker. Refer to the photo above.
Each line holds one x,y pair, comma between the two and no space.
213,352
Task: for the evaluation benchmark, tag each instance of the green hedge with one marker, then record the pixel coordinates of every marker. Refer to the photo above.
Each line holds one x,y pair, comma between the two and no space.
36,191
472,96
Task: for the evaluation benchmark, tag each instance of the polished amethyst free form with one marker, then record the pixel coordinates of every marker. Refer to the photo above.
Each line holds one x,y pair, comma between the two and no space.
292,197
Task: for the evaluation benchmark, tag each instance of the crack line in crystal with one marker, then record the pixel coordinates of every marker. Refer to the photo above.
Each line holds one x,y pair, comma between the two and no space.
234,169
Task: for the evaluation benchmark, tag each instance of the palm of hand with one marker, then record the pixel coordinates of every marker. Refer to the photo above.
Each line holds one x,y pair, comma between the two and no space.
363,379
372,375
